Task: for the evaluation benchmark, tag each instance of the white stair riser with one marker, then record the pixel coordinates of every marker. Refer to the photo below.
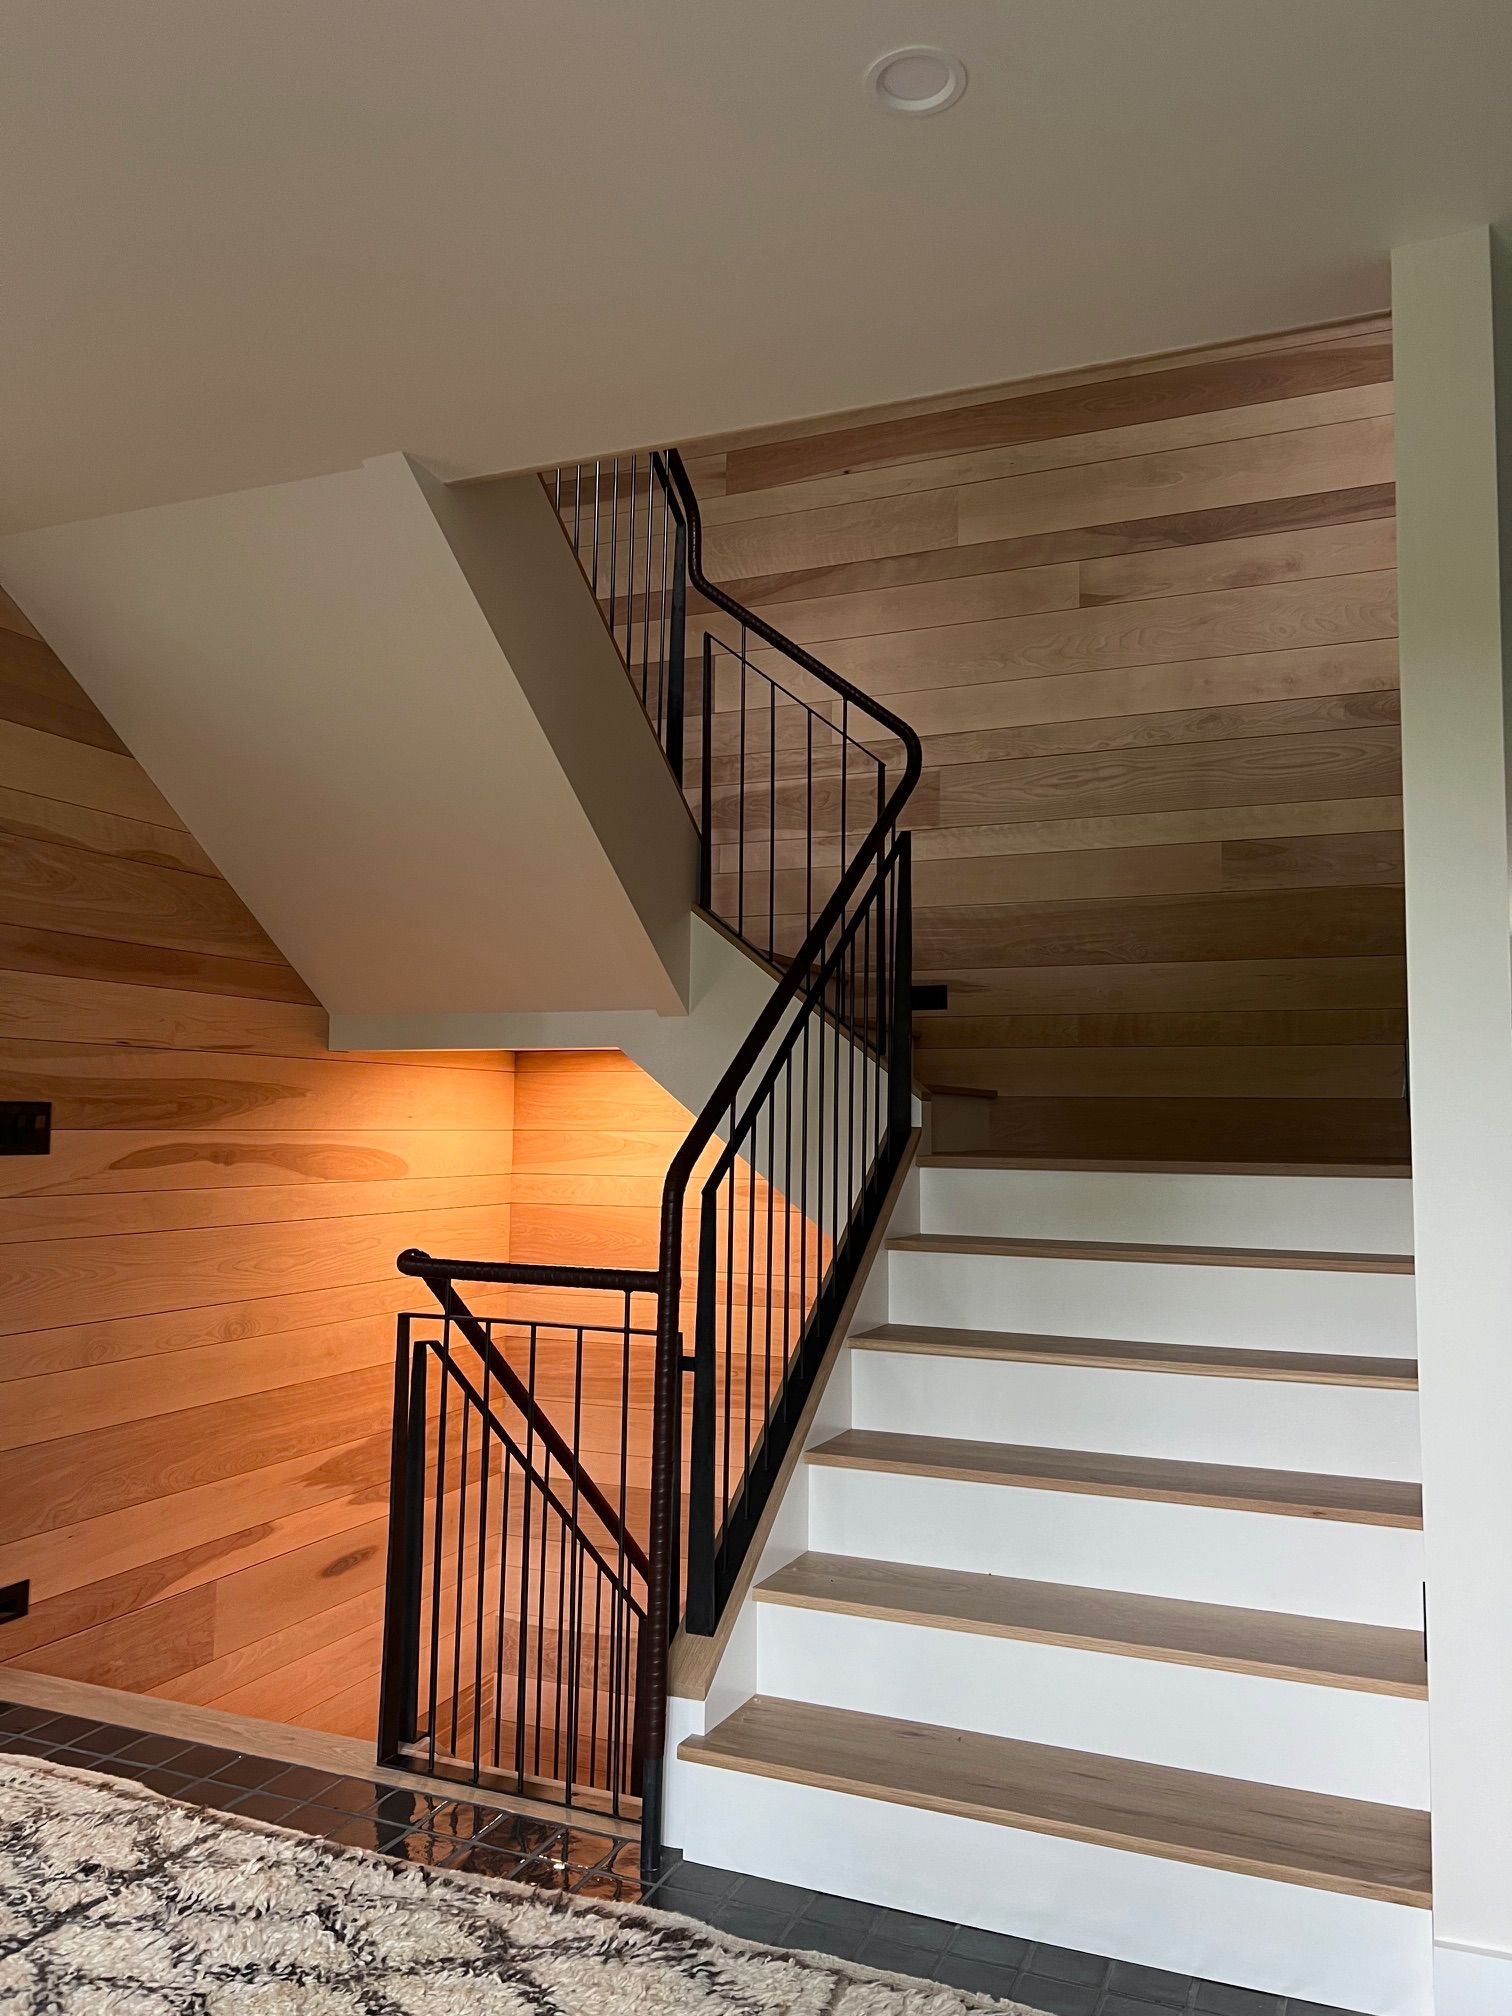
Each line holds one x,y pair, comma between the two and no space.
1352,1431
1251,1560
1349,1952
1340,1213
1232,1725
1267,1308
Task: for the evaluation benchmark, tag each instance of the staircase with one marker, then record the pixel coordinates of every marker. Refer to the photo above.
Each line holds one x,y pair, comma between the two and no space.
1100,1620
585,1463
1033,1547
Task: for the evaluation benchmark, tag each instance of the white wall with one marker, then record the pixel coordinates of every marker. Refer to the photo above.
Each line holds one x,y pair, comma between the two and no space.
430,801
1453,330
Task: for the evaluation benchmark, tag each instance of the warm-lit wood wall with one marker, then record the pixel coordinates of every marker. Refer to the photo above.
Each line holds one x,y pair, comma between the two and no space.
197,1286
1144,620
594,1135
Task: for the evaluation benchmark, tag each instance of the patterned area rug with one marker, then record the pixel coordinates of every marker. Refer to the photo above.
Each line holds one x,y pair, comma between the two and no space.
115,1901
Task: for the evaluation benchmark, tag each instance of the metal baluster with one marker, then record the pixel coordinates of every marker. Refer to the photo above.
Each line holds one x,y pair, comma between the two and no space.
614,541
740,802
772,822
595,527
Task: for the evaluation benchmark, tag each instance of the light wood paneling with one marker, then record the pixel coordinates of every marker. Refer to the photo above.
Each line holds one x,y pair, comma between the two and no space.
1144,619
594,1135
198,1283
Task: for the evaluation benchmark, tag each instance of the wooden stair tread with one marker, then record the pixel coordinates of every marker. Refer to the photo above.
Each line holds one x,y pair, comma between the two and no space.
1206,1360
1311,1838
1365,1501
1171,1256
1368,1658
965,1158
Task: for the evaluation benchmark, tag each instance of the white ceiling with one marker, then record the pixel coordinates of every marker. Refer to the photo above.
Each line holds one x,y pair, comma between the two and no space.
249,240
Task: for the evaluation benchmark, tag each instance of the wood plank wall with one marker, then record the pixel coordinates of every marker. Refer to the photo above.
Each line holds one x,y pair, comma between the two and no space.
197,1286
594,1135
1144,620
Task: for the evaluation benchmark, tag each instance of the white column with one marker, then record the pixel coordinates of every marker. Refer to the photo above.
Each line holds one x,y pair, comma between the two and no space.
1452,309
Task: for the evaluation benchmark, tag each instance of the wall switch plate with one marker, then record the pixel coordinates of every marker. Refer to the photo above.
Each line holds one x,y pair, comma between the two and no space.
15,1601
25,1126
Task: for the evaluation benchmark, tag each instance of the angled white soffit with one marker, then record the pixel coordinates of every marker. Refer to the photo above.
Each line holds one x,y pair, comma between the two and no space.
393,717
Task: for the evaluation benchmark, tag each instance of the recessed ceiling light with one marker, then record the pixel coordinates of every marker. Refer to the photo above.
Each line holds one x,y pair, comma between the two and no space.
917,80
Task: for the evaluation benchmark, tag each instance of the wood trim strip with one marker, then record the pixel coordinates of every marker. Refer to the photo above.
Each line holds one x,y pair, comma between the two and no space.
348,1756
1164,1256
1301,1368
1320,1651
1296,1494
1350,1846
1398,1171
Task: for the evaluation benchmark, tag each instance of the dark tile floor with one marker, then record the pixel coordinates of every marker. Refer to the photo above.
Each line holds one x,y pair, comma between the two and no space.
457,1834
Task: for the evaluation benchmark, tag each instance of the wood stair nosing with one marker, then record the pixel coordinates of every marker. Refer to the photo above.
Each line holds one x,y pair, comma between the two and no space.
1147,1253
1325,1652
1367,1501
1198,1360
964,1158
1314,1839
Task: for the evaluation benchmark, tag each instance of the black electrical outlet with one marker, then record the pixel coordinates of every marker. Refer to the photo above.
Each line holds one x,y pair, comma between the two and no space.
931,995
25,1126
15,1601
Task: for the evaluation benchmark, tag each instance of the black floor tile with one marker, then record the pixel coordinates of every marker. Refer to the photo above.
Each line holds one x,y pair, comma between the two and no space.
20,1744
699,1879
907,1928
172,1784
294,1781
433,1829
1216,1999
148,1750
218,1794
17,1720
1149,1984
1064,1963
977,1977
846,1912
996,1949
766,1895
267,1806
520,1832
1061,1998
749,1921
352,1795
481,1858
812,1935
580,1848
893,1956
201,1760
599,1883
624,1860
67,1728
253,1774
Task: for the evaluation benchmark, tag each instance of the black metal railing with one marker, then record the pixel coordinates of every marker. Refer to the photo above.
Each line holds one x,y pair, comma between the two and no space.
628,527
516,1576
796,780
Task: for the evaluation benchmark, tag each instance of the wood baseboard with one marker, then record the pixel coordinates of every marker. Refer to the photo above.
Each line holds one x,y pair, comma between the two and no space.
347,1756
